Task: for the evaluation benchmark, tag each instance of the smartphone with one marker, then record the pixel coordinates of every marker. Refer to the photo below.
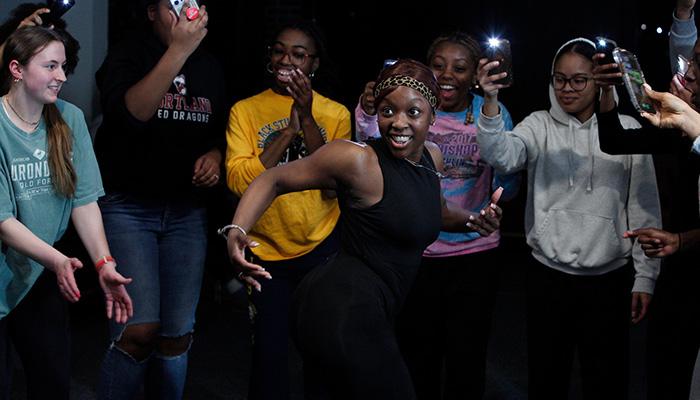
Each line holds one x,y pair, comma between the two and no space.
499,50
178,4
606,46
682,69
633,77
58,8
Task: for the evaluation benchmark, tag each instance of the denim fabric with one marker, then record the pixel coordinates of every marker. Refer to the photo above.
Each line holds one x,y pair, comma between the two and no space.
120,375
162,246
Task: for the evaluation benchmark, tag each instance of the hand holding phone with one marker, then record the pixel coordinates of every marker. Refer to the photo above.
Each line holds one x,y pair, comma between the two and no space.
499,50
58,8
633,77
191,12
606,46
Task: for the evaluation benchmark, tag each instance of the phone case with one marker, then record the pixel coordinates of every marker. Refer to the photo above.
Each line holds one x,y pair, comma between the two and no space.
500,52
58,8
178,4
633,77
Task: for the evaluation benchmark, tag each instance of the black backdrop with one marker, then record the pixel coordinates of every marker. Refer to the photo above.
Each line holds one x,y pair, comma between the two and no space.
362,33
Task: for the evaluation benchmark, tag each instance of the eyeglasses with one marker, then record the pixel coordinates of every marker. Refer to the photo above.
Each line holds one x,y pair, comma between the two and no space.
297,56
576,82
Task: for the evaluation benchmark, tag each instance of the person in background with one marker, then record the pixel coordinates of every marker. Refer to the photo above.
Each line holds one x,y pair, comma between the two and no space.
160,148
587,281
286,122
48,176
447,316
29,14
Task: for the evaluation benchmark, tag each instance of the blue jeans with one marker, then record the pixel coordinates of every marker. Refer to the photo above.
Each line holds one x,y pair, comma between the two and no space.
162,246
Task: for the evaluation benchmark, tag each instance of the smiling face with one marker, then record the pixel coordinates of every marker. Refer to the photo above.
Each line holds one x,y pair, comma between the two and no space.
579,104
292,49
454,69
43,75
404,118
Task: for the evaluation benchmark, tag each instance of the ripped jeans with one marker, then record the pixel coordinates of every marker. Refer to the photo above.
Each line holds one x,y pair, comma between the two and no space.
162,246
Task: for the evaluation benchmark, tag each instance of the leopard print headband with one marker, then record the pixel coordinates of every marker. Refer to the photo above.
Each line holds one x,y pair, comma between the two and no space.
402,80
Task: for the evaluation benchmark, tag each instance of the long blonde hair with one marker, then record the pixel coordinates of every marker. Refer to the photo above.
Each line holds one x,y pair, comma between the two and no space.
21,46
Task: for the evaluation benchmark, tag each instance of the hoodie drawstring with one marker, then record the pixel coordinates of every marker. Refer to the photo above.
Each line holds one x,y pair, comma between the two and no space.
589,187
572,144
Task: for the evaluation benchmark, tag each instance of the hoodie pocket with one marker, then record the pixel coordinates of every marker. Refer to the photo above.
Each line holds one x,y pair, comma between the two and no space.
578,239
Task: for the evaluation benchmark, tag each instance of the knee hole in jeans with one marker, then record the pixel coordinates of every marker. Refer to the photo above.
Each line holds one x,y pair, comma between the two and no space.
174,346
139,340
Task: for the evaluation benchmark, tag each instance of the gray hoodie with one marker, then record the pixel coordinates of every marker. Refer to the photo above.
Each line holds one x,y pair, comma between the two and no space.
579,199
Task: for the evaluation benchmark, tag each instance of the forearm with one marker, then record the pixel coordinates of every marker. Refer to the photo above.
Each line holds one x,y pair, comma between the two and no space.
454,219
17,236
87,220
689,239
607,99
274,150
256,199
142,99
490,107
312,134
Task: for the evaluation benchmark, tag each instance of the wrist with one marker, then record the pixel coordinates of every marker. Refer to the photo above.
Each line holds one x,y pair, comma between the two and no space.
223,231
683,13
104,260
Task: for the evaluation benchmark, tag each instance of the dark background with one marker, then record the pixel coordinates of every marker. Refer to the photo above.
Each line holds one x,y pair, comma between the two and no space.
361,34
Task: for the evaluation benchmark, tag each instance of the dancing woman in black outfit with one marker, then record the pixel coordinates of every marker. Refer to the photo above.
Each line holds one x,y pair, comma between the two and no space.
391,210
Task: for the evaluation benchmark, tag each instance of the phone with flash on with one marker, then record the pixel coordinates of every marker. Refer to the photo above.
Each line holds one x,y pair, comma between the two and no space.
633,77
57,9
606,46
177,5
499,50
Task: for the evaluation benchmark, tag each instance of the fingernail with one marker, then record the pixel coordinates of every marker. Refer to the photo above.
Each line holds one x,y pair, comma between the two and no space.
469,224
493,206
471,218
482,212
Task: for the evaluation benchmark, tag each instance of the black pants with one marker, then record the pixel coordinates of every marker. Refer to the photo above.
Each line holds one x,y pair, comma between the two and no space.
447,321
39,330
343,325
674,328
269,375
588,314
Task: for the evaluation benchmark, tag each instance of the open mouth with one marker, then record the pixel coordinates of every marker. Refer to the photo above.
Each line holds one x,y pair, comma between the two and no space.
284,75
400,140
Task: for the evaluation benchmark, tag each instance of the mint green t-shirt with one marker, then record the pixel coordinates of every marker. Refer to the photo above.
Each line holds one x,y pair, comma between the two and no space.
27,194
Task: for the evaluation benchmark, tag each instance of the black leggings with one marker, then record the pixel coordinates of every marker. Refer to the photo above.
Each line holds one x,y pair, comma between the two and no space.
39,330
589,315
343,326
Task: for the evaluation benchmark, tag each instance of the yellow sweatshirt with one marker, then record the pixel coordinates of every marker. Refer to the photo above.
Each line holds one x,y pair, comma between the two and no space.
295,222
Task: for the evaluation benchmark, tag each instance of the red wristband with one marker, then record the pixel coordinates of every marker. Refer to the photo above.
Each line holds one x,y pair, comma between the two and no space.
102,261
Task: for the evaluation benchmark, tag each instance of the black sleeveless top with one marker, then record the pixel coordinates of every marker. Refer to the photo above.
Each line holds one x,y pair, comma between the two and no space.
391,235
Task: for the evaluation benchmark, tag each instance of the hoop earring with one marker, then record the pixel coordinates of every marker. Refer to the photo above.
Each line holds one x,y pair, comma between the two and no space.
269,69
